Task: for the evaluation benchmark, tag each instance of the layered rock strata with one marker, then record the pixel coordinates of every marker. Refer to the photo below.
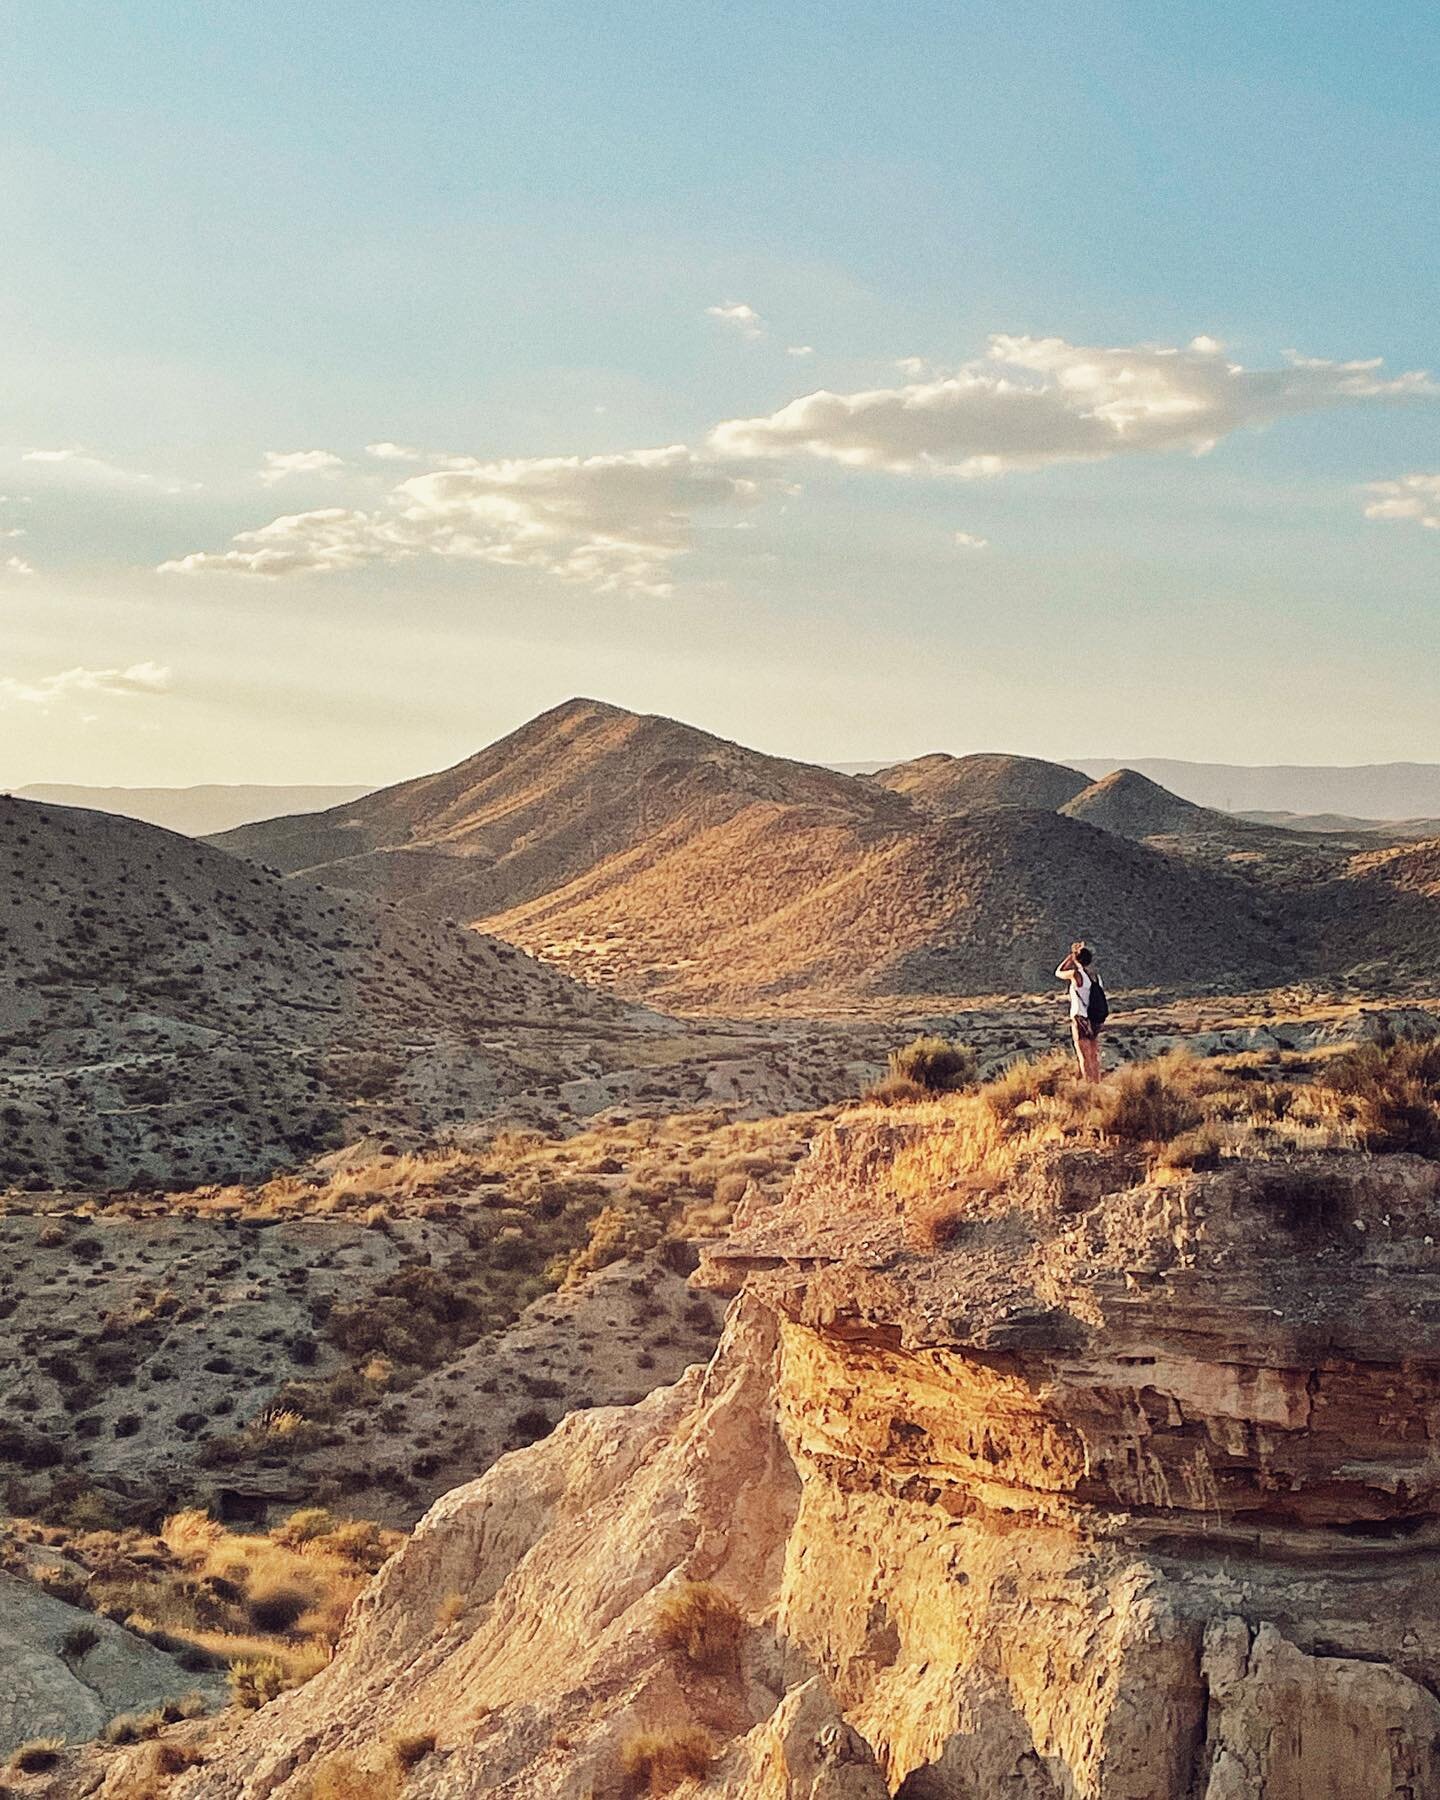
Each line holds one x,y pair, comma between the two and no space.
1128,1490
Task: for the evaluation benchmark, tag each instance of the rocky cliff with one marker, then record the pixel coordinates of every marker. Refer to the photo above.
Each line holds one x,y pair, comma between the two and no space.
1084,1484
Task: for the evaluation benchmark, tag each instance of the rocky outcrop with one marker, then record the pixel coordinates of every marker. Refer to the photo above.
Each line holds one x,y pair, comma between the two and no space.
1079,1486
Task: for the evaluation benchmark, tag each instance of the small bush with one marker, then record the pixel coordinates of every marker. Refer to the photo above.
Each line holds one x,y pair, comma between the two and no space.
310,1522
655,1762
38,1755
703,1623
342,1778
1197,1149
1027,1081
412,1747
1394,1088
257,1680
895,1090
1146,1105
935,1064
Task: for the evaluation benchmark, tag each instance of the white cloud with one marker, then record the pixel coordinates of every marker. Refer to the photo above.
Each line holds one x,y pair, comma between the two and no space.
610,523
966,540
281,464
17,565
1033,402
1412,499
139,678
12,531
385,451
799,349
739,317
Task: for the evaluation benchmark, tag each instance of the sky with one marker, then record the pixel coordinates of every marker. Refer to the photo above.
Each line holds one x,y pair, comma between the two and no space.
853,380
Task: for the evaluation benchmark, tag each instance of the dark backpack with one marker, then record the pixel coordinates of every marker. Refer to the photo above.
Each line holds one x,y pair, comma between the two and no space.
1097,1008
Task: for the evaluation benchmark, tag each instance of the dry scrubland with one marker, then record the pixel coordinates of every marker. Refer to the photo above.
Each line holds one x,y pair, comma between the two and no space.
344,1346
1041,1453
481,1295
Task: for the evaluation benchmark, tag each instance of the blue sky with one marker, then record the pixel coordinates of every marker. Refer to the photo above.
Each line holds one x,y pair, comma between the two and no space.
492,236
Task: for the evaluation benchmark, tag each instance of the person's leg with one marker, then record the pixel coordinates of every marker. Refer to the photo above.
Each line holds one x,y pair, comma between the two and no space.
1092,1056
1080,1045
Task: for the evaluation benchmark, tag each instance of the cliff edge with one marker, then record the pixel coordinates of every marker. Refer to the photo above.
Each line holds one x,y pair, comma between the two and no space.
1062,1475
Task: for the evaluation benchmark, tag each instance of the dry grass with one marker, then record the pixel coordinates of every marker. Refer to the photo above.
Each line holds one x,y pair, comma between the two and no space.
1176,1112
342,1778
656,1762
704,1624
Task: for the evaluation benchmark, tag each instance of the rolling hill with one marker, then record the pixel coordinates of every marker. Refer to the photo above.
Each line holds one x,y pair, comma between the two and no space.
1133,806
673,866
951,785
168,1010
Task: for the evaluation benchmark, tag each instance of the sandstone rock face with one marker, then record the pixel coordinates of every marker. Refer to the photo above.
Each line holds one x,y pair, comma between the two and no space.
1127,1492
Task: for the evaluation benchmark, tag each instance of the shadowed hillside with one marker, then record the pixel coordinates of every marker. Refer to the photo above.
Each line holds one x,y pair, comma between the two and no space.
951,785
167,1008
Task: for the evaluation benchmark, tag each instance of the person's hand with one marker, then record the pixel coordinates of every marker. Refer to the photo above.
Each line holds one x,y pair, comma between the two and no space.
1076,948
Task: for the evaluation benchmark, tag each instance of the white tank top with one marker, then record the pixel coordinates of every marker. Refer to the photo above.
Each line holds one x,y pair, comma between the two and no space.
1080,997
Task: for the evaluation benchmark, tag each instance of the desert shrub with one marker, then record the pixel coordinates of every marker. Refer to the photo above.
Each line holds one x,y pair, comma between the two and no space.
1147,1104
1196,1149
342,1778
450,1609
1393,1088
1026,1082
617,1233
277,1606
310,1522
655,1762
703,1623
412,1747
257,1680
37,1756
895,1090
938,1065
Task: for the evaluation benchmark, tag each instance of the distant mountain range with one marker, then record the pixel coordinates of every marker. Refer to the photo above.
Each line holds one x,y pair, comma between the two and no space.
1365,796
195,811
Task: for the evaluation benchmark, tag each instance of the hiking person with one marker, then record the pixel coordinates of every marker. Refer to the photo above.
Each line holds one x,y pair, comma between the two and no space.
1089,1008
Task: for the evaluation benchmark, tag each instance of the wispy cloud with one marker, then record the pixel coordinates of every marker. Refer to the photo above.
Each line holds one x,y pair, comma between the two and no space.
78,465
739,317
17,565
967,540
799,349
142,678
1033,402
280,465
606,522
1410,499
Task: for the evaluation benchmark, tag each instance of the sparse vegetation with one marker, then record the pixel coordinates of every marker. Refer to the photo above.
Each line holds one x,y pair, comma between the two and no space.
656,1762
936,1065
702,1622
37,1756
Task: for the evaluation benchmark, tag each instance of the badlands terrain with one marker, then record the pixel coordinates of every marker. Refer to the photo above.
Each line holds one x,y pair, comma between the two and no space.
509,1159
